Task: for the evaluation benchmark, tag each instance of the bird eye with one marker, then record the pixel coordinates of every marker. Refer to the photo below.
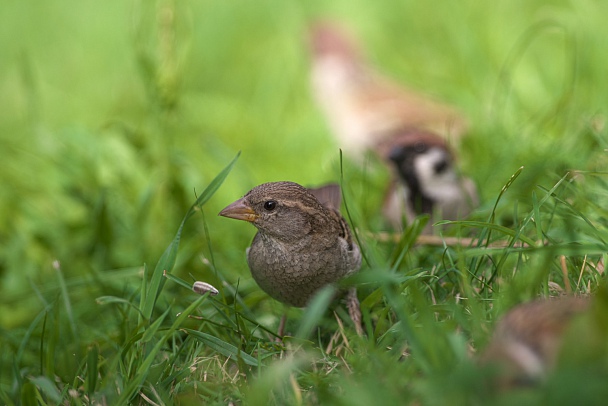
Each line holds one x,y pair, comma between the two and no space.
420,147
270,205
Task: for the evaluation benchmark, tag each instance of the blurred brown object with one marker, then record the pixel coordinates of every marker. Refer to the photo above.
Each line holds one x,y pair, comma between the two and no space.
528,339
409,131
362,106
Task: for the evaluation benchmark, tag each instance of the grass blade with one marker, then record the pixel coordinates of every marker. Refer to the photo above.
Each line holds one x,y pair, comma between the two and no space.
167,260
144,367
315,311
92,359
47,387
104,300
66,299
226,349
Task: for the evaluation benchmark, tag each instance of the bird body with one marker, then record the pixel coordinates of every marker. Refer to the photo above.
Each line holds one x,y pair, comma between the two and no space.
528,339
362,106
368,112
302,245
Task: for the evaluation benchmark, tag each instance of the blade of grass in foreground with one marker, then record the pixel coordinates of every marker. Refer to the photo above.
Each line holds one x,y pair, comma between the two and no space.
350,219
167,260
226,349
315,310
47,386
92,369
144,368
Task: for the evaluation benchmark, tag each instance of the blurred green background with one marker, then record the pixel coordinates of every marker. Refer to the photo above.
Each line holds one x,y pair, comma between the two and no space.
115,114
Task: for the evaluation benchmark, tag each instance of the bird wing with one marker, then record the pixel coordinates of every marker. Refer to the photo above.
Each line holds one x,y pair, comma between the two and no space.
328,195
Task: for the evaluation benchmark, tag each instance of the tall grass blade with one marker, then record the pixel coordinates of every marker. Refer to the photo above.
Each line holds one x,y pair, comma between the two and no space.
92,369
315,311
66,299
226,349
350,219
167,260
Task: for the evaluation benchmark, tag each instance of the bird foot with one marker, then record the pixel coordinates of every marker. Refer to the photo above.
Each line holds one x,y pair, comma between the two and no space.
354,310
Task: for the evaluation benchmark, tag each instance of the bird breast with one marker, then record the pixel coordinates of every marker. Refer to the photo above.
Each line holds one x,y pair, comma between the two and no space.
291,274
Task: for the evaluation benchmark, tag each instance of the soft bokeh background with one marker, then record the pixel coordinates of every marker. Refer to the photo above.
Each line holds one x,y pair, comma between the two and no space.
114,114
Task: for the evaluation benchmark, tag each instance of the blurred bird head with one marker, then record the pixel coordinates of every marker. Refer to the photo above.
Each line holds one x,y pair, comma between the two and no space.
329,38
426,179
423,162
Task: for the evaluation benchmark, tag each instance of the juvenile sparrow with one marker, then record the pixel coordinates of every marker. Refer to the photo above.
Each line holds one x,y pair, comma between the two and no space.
362,106
527,340
302,244
368,112
425,180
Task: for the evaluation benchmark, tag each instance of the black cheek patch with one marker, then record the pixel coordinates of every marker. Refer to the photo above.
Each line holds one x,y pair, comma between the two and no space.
441,166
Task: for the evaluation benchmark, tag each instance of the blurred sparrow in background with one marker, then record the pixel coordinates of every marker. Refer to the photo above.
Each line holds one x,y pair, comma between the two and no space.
528,339
363,107
366,111
302,244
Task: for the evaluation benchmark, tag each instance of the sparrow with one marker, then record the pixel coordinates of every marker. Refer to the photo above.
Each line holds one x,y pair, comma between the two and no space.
302,243
362,106
527,340
368,112
424,180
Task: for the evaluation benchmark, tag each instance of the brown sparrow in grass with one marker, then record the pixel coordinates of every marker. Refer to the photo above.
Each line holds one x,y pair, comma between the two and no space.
425,179
362,106
302,244
527,340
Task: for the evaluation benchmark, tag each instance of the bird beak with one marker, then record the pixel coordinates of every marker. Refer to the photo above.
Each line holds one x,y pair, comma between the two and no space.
239,210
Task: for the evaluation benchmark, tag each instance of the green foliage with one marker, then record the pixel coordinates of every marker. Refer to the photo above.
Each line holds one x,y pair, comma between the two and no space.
117,118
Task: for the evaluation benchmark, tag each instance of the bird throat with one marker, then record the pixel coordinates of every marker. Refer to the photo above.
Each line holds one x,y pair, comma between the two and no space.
420,203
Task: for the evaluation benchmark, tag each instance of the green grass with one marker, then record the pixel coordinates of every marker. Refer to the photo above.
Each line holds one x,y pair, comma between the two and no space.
117,116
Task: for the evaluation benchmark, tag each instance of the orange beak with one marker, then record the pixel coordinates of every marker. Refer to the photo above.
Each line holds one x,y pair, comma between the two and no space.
239,210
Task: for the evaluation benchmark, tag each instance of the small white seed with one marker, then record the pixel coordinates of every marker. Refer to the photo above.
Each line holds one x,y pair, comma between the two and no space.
203,287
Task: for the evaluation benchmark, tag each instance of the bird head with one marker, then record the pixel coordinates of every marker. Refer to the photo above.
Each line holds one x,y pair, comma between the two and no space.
285,211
